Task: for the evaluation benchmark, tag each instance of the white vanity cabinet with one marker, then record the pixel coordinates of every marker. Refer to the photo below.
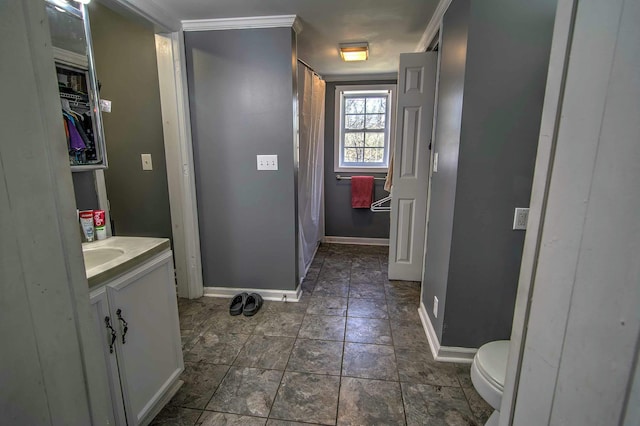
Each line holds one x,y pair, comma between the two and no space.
138,312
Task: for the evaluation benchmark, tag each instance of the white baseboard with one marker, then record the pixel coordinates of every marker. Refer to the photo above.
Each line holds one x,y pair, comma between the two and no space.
356,240
276,295
443,353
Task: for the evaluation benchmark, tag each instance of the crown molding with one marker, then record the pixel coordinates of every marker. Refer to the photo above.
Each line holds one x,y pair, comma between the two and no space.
277,21
433,26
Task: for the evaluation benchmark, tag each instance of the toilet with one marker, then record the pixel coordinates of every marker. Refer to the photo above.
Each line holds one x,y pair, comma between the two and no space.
488,371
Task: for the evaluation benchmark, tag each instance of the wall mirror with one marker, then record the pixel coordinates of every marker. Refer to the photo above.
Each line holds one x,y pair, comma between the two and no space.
77,84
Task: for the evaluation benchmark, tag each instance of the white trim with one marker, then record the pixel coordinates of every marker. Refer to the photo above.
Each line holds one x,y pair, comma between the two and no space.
276,21
70,58
356,241
361,77
275,295
443,353
432,337
552,106
179,163
338,126
433,26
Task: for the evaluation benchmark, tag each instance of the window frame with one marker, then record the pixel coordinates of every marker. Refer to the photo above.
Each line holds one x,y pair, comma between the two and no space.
340,91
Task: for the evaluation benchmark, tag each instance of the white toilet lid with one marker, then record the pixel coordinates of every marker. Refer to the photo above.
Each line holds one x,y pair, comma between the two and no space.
491,360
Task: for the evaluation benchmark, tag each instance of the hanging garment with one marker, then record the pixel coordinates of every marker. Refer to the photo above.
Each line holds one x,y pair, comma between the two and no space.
75,140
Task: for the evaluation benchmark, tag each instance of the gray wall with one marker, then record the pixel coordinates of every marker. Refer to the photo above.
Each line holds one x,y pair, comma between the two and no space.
84,189
446,143
241,88
340,219
125,58
500,85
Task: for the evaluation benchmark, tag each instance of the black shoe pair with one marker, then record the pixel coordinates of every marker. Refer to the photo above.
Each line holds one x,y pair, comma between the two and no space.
244,303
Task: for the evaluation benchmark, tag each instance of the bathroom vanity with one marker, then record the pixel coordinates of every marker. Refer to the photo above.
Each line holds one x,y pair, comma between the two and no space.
135,313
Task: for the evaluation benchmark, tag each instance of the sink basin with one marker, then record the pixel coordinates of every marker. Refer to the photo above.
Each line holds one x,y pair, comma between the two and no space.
107,259
97,256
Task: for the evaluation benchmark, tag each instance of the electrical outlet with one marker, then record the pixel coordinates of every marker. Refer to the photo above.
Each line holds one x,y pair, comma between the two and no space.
146,162
435,307
267,162
105,105
520,218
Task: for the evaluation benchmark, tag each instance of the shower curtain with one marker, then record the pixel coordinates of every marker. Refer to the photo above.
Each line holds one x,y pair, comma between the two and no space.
311,89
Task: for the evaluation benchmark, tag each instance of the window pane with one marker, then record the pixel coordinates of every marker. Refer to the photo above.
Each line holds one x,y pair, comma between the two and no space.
353,139
354,105
353,155
374,140
375,121
354,122
376,105
373,155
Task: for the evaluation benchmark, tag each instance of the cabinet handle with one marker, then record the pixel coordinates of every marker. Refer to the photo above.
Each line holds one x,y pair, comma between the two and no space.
125,326
107,322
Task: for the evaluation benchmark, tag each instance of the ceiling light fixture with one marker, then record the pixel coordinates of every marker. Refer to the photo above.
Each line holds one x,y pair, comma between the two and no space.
354,51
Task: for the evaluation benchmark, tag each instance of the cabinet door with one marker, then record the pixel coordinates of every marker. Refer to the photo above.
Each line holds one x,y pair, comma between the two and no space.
101,317
149,353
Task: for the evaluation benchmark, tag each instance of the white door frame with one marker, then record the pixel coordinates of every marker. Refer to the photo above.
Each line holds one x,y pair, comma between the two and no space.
539,192
179,160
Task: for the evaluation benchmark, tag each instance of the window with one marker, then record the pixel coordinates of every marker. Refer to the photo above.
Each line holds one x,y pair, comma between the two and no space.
364,121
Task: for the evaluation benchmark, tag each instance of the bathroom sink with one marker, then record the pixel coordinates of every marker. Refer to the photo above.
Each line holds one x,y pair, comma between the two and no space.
97,256
107,259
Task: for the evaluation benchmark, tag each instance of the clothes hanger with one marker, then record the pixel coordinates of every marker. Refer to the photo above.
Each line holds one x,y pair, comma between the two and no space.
65,105
377,206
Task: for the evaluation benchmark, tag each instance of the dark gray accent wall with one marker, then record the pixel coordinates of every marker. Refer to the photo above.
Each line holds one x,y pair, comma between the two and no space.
84,188
446,143
241,94
126,66
499,84
340,219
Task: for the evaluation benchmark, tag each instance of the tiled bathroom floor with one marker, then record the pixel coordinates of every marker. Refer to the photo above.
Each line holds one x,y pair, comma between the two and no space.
351,352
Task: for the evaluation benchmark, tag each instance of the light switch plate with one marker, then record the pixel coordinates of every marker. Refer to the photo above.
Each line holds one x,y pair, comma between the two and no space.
267,162
146,162
435,162
520,218
435,307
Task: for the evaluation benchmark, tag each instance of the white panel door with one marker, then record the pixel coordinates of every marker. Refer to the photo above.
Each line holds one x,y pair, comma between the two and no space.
149,351
416,95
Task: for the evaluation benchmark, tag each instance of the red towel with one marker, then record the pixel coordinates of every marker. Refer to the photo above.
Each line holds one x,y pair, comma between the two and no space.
361,192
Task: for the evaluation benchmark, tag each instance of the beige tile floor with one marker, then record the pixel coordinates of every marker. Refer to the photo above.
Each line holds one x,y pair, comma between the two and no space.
351,352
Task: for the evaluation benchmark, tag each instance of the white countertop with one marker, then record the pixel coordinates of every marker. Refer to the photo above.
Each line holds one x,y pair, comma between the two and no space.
121,255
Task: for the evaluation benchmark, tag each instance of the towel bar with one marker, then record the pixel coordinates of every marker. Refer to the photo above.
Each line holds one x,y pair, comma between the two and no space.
340,177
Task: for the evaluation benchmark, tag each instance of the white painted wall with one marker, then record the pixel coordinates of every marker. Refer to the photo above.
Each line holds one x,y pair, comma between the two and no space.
47,361
582,338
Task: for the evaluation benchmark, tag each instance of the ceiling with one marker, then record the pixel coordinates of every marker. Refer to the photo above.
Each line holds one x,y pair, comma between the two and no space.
390,27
